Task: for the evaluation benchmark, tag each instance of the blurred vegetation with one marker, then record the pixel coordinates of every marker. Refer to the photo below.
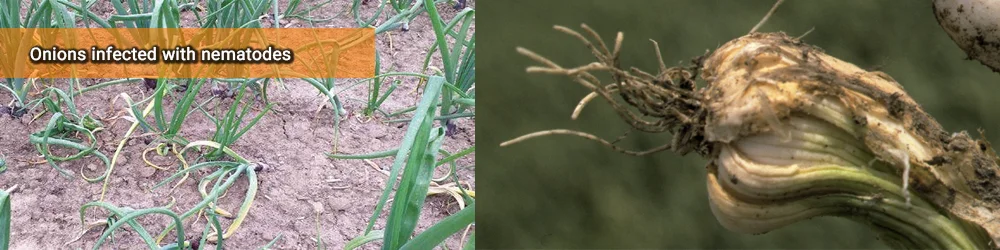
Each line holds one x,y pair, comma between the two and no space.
567,192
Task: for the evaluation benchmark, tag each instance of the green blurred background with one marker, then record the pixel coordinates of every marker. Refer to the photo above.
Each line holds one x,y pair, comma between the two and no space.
567,192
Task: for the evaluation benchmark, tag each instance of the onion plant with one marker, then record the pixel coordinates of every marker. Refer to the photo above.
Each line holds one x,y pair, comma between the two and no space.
406,11
375,96
419,149
295,10
235,13
792,133
211,187
231,127
328,86
418,154
61,130
224,176
42,14
146,14
400,5
5,219
459,62
121,216
356,10
168,127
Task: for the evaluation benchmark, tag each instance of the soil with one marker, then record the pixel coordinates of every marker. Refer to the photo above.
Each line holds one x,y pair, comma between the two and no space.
298,183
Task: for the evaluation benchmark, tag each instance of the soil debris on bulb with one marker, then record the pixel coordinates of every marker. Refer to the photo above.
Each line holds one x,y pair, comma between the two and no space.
792,133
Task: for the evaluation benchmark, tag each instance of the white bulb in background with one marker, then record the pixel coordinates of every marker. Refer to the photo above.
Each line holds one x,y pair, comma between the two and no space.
975,26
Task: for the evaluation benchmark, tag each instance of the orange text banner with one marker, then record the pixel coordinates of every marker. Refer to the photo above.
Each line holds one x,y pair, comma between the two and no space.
187,53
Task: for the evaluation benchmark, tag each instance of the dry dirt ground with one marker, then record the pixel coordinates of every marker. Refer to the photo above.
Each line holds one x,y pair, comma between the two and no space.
292,140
